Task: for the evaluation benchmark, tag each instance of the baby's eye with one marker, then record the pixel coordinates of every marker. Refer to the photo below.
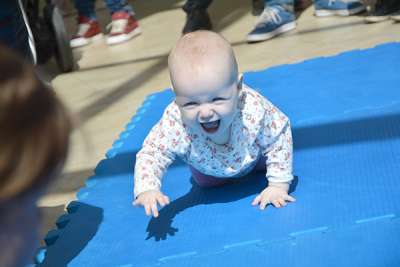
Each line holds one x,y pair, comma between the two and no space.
218,99
190,104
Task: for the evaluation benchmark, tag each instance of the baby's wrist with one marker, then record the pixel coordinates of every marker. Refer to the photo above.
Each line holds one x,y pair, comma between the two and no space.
146,192
284,186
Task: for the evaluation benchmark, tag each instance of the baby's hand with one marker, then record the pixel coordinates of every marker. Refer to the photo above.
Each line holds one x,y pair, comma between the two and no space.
275,194
149,200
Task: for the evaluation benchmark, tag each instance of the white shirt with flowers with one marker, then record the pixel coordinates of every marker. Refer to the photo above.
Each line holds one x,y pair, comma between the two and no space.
258,129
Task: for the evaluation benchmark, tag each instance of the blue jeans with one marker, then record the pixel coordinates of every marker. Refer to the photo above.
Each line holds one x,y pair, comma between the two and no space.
287,4
86,7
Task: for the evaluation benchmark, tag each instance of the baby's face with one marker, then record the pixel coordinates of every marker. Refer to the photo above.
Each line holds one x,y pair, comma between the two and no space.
208,105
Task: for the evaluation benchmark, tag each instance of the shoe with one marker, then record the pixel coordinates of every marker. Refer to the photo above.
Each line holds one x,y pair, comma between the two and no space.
273,21
395,16
324,8
88,31
383,11
197,19
123,27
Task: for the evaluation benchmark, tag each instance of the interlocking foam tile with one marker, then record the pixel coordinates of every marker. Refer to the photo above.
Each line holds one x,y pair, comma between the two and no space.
345,113
341,247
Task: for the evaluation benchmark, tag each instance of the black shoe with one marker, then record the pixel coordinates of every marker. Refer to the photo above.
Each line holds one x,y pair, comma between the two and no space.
395,16
383,10
197,20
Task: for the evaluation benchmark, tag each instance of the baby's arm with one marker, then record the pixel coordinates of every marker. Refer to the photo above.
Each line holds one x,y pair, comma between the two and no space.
279,153
150,166
151,163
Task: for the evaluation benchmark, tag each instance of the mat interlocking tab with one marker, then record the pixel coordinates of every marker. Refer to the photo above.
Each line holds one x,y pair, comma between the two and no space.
345,114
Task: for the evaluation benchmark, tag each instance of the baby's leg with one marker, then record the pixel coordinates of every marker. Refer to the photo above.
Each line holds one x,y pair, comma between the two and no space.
204,180
261,164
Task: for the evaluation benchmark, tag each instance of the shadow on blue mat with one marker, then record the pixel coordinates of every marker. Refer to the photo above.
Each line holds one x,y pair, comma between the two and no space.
83,225
161,227
121,163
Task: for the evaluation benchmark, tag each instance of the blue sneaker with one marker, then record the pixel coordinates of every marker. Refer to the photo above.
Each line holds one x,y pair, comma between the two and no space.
324,8
273,21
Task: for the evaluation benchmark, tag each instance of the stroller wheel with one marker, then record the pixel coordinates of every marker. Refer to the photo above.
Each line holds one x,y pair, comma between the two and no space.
63,51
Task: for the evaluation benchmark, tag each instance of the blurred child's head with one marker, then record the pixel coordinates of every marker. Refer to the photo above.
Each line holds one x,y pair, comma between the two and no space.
34,137
204,76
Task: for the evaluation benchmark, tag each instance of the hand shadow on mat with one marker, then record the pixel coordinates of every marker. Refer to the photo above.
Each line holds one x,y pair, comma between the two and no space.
161,227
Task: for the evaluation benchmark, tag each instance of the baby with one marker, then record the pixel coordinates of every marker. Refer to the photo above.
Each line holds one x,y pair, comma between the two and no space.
219,126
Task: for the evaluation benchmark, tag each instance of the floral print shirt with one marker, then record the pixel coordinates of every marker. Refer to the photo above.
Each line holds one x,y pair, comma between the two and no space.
258,129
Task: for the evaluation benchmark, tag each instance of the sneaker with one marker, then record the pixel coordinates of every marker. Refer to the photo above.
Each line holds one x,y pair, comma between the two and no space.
123,28
88,31
197,19
383,11
274,20
395,16
324,8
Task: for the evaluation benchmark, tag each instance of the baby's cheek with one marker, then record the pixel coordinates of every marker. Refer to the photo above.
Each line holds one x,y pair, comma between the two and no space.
229,113
185,116
188,119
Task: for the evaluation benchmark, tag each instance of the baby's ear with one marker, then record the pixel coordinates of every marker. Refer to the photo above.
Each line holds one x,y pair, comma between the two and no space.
240,82
173,89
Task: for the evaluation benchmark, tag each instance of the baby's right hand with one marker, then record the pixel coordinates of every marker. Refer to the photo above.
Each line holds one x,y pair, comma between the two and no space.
149,200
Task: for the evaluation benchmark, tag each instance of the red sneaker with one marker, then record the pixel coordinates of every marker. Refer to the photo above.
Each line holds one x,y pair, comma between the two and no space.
88,31
123,27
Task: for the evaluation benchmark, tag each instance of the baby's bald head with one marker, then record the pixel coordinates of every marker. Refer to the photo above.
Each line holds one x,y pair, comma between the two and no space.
202,57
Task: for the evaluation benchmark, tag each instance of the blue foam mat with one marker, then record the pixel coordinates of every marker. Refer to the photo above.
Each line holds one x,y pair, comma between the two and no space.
345,113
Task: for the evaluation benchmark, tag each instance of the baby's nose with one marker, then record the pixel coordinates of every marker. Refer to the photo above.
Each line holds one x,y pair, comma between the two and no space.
205,114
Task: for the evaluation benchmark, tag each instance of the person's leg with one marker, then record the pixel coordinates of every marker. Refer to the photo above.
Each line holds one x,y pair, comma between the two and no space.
118,6
191,5
204,180
197,17
384,10
257,7
287,4
324,8
277,17
85,8
88,27
14,30
124,26
395,16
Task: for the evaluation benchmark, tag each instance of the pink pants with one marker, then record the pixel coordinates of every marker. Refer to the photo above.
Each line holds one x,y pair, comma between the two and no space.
204,180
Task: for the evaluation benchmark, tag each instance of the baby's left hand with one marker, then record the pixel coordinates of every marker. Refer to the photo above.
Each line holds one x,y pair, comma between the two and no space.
276,195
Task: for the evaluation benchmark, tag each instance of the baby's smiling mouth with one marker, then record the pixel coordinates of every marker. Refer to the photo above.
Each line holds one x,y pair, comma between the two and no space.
210,127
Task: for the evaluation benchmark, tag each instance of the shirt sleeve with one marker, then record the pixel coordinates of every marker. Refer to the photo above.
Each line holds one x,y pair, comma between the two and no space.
157,153
278,146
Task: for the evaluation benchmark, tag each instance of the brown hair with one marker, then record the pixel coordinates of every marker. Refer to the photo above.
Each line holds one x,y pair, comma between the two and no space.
34,128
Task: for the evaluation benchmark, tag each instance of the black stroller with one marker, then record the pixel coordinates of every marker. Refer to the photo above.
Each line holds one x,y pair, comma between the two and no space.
37,33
